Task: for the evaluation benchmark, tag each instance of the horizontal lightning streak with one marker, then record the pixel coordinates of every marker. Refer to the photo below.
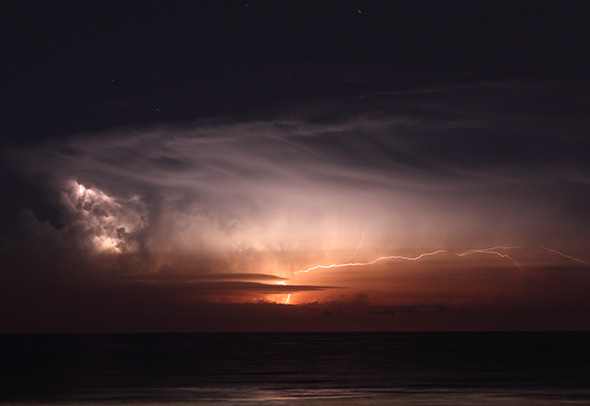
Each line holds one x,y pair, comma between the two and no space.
488,251
491,251
426,254
581,261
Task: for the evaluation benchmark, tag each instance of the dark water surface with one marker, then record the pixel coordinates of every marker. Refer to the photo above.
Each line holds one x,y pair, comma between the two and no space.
297,368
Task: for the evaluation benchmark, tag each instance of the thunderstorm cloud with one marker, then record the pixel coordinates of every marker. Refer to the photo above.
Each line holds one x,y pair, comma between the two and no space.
239,206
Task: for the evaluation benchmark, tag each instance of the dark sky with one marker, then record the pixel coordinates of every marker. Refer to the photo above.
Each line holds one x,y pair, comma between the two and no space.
71,67
266,165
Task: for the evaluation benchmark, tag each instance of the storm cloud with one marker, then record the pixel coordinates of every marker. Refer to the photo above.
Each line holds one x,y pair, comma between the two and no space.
449,158
236,207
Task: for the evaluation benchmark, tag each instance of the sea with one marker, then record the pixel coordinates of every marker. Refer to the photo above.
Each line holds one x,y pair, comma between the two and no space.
536,368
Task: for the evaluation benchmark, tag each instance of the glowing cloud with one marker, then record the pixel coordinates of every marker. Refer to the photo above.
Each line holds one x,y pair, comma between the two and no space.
108,224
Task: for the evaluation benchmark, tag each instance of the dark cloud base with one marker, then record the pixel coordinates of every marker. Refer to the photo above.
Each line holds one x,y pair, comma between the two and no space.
119,314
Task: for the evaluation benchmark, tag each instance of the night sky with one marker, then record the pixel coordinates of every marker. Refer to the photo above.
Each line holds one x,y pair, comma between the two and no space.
295,166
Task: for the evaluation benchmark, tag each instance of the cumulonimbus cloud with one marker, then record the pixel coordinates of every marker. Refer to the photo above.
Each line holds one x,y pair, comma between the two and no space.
425,169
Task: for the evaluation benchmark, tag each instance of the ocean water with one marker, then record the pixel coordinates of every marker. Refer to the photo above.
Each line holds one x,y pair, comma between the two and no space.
296,369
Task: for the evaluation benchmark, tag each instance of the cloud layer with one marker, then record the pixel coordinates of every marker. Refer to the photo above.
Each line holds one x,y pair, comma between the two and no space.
452,168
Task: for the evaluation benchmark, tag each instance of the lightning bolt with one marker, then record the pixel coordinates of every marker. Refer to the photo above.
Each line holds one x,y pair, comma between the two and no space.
426,254
357,248
492,251
485,251
581,261
289,295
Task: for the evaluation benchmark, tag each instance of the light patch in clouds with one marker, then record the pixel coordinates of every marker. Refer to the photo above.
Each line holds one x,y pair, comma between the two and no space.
108,224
